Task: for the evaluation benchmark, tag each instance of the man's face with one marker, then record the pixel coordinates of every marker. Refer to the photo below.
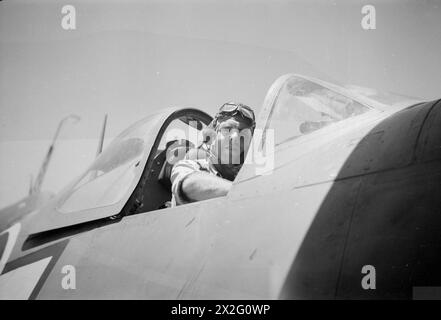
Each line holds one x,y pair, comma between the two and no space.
233,138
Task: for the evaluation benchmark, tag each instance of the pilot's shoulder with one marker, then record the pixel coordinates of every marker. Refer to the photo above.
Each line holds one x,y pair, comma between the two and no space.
196,159
196,154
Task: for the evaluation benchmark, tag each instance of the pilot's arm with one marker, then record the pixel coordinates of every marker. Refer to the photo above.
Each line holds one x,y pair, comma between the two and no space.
191,182
202,186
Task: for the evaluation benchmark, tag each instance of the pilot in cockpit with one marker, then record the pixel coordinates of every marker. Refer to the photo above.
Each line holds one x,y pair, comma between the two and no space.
208,172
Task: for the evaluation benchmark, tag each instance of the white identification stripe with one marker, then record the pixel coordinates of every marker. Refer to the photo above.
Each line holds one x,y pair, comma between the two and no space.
12,238
19,283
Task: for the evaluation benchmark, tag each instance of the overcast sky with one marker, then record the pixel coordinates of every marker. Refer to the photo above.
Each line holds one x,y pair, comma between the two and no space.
131,58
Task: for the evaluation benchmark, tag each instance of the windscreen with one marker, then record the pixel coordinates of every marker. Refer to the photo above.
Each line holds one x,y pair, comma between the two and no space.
303,106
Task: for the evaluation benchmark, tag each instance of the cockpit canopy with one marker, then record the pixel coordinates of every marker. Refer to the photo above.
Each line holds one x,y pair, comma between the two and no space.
303,105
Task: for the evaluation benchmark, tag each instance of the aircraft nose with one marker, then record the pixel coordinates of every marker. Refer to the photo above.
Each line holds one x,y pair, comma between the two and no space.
429,140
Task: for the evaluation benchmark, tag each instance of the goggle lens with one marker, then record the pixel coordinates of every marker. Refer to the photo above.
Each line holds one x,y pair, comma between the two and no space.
229,108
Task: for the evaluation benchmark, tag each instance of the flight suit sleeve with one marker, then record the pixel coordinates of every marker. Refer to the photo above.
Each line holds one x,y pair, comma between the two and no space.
179,172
